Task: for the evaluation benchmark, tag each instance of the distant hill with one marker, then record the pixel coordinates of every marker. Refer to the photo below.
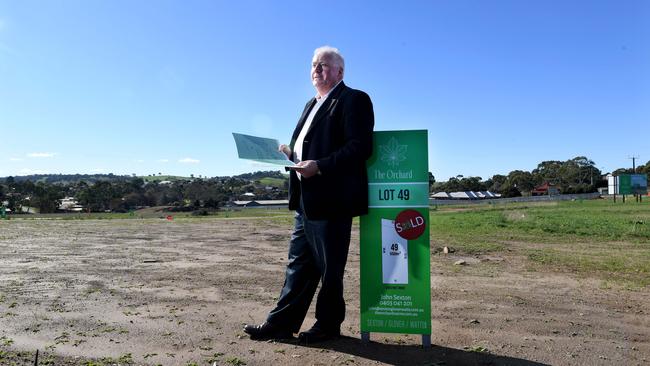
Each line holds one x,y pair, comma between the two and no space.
160,178
273,182
270,178
69,178
263,174
267,178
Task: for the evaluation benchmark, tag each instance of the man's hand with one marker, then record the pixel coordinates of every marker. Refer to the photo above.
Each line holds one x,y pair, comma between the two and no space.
286,150
307,168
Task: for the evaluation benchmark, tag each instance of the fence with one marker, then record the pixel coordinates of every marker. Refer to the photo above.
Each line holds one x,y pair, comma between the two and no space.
560,197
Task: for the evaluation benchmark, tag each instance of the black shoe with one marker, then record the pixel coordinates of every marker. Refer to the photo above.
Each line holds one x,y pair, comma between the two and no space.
267,331
317,334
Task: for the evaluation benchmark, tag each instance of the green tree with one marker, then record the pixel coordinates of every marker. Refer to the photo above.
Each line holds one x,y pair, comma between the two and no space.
14,203
460,184
496,182
578,175
548,171
46,197
518,181
644,169
98,196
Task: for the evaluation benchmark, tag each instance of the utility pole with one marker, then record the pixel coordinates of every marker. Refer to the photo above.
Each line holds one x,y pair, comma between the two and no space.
633,163
636,196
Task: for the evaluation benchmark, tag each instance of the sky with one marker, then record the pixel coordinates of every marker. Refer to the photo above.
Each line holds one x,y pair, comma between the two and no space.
146,87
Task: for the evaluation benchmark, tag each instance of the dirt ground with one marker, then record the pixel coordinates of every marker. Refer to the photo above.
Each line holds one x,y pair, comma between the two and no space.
153,291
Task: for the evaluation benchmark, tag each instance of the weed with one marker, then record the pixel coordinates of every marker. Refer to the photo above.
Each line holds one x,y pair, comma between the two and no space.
235,361
125,358
91,291
108,360
478,349
62,339
215,357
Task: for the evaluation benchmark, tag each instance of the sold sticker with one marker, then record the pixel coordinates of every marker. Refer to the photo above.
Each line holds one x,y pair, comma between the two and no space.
409,224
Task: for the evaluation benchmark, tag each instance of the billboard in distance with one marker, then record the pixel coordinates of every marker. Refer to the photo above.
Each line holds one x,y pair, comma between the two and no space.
629,184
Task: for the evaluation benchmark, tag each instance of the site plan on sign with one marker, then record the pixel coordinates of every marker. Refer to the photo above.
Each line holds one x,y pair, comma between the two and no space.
260,149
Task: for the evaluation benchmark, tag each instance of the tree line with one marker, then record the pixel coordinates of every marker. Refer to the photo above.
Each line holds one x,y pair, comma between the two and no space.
577,175
124,193
121,193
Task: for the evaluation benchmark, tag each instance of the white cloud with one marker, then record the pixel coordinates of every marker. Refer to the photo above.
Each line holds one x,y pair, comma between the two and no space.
98,170
41,155
163,160
16,159
189,161
139,161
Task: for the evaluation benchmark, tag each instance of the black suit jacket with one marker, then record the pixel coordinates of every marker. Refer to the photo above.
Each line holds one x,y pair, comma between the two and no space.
340,140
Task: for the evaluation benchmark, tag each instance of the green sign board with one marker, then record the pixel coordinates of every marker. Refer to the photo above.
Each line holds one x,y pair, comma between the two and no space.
395,249
632,184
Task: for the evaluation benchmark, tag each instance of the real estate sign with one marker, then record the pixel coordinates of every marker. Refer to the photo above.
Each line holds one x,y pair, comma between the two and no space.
629,184
633,184
395,249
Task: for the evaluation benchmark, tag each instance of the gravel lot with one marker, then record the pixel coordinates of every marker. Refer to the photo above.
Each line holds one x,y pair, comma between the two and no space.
153,291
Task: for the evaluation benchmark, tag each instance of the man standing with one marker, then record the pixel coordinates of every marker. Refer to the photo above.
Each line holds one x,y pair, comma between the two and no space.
327,188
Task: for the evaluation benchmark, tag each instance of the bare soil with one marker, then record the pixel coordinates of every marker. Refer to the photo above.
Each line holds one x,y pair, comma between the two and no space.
153,291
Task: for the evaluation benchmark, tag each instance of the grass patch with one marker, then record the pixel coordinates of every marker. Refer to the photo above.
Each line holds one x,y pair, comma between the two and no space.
631,267
160,178
234,361
282,215
602,238
597,221
273,182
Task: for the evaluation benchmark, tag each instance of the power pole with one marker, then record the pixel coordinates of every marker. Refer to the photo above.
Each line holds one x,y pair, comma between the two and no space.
636,197
633,163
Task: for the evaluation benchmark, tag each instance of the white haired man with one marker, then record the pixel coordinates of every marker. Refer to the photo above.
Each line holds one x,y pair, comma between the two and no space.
328,187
